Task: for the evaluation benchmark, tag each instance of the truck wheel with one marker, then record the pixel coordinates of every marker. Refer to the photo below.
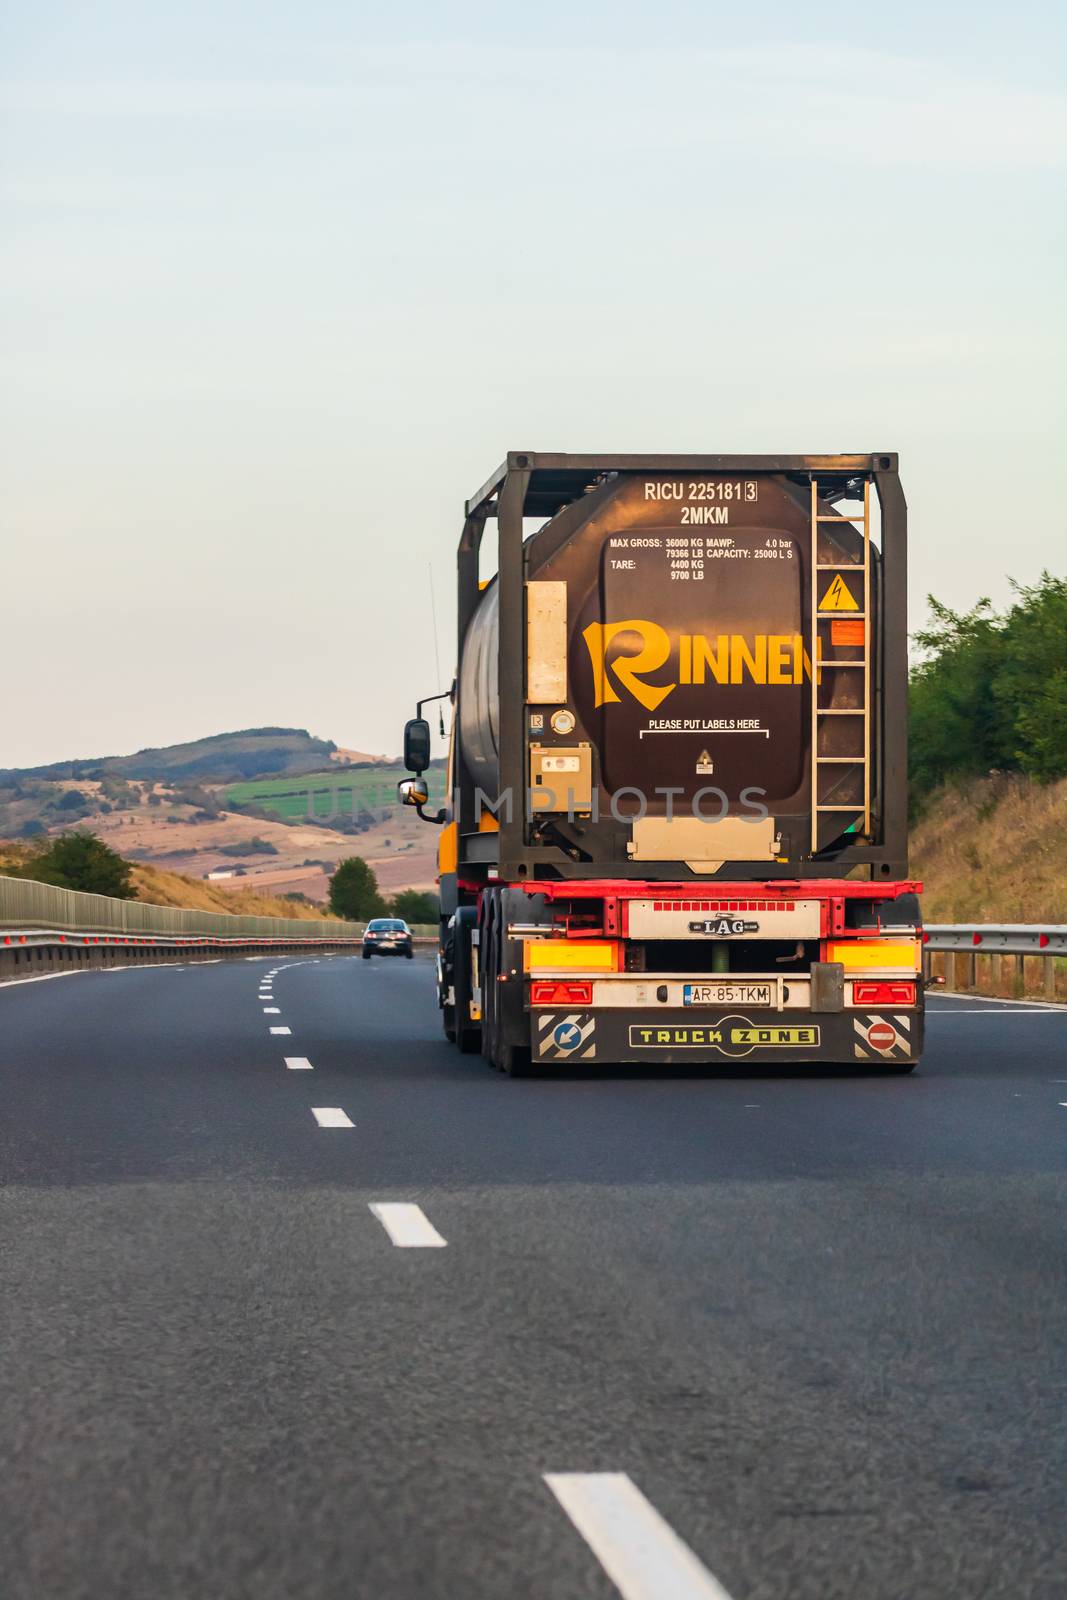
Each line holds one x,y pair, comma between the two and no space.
468,1034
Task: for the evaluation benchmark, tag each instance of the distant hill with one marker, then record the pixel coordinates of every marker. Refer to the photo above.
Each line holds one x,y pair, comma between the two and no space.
220,758
229,801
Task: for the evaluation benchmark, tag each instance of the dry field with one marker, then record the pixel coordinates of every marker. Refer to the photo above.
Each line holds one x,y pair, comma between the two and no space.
994,851
401,850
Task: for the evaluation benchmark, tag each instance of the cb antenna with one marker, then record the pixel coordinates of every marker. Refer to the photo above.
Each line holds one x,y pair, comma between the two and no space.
436,652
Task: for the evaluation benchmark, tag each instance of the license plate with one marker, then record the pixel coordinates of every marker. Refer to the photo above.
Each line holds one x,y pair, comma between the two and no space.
728,994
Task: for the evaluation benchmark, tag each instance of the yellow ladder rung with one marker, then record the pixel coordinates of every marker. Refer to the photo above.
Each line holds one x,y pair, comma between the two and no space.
860,522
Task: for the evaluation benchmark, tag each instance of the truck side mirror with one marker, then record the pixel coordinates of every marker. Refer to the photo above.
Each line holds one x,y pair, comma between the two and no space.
413,791
417,745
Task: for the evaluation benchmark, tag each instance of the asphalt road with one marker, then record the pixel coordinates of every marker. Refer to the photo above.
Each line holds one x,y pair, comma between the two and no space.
814,1325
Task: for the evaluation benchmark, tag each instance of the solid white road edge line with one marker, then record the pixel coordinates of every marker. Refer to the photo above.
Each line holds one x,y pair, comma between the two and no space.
298,1064
281,1030
999,1000
407,1225
72,972
45,977
641,1554
331,1117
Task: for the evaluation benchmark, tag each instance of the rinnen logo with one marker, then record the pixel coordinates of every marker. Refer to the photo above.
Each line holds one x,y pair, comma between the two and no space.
723,658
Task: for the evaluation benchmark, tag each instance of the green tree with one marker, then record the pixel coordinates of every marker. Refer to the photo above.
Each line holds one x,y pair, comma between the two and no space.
955,726
1031,686
991,693
354,891
415,905
81,861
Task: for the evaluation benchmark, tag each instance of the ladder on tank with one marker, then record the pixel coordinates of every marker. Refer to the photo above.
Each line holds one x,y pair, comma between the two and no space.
856,661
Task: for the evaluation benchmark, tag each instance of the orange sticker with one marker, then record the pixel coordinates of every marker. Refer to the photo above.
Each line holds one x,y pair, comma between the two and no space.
843,631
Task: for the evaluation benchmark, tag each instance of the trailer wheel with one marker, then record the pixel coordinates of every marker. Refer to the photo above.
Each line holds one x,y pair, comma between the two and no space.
504,1054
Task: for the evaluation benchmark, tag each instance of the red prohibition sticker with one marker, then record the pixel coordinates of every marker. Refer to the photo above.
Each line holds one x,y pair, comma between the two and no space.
880,1036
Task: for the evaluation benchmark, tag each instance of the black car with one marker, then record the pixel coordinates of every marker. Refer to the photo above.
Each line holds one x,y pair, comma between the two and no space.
387,936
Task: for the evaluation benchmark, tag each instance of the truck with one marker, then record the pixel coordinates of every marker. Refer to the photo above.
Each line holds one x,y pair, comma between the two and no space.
675,819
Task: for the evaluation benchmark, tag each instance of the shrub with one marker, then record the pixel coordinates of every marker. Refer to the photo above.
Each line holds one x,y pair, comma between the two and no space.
354,891
250,847
81,861
415,905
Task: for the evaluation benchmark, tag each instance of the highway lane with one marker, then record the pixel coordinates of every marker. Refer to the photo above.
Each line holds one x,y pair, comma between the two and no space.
819,1323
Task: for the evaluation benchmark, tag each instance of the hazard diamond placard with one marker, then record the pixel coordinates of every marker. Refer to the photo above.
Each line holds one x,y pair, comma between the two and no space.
839,597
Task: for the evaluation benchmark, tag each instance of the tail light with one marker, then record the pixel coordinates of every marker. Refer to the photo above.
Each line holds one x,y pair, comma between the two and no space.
883,994
544,993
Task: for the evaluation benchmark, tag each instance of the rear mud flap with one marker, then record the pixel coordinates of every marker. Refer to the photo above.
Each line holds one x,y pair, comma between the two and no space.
885,1038
565,1038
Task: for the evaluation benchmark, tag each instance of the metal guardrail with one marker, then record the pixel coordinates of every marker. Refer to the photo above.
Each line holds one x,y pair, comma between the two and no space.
1009,938
24,903
1015,940
45,930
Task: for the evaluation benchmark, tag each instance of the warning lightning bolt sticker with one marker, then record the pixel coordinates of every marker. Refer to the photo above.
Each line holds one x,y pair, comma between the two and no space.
838,597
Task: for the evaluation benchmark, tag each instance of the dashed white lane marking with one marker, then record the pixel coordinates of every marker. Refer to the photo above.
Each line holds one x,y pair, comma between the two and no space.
641,1554
272,1011
407,1225
1061,1102
331,1117
298,1063
281,1030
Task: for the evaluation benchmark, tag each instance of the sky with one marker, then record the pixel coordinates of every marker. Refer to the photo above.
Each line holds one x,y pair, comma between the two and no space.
281,284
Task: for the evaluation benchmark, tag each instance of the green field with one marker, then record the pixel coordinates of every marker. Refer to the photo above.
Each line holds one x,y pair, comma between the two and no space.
333,793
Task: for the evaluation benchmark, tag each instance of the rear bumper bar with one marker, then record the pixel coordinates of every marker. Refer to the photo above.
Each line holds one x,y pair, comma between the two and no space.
688,1037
